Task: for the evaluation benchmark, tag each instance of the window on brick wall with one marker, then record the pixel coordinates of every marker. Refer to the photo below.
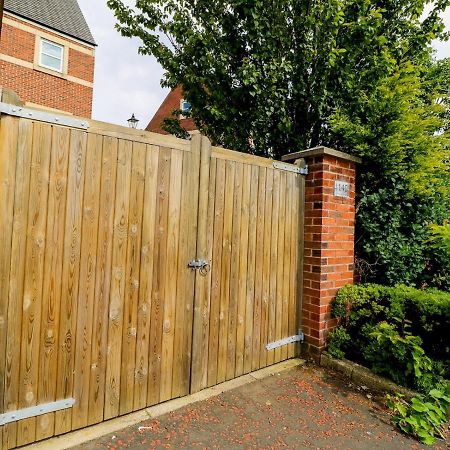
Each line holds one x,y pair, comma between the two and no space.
51,55
185,108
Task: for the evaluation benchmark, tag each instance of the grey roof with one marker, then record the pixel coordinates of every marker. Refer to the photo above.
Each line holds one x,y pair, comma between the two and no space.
64,16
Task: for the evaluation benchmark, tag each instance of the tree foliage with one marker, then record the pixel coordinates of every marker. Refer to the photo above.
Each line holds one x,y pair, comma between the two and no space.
264,76
401,128
274,77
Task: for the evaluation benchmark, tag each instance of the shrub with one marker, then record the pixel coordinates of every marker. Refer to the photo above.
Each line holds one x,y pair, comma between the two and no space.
424,417
337,340
401,358
413,319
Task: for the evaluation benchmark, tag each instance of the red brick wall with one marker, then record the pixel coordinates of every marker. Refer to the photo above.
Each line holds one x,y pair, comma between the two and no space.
328,241
46,30
170,103
42,88
17,43
81,65
47,90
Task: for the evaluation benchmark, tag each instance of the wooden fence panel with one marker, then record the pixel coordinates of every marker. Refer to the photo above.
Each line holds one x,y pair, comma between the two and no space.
102,281
34,278
250,235
97,302
9,129
52,277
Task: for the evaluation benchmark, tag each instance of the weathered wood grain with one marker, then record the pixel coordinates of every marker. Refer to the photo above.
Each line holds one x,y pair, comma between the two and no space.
9,128
86,288
146,278
53,263
102,281
118,279
132,280
216,269
242,310
70,276
34,277
256,261
99,303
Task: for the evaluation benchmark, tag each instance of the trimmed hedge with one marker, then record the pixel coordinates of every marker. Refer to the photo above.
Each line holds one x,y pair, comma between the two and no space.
423,314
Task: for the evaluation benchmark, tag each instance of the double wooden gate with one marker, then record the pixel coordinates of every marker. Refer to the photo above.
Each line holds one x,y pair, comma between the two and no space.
97,302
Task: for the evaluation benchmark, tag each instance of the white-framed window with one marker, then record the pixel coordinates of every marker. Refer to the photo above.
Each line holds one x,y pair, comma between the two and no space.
51,55
185,107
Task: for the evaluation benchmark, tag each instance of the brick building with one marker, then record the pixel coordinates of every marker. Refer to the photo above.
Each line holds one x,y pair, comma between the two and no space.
47,55
174,101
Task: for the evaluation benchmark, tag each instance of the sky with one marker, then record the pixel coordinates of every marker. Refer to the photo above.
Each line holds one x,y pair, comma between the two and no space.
126,82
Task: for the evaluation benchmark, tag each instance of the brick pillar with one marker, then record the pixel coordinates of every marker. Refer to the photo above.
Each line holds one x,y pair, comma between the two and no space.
328,238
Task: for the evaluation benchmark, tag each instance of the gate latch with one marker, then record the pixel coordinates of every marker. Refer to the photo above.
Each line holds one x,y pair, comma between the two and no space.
201,265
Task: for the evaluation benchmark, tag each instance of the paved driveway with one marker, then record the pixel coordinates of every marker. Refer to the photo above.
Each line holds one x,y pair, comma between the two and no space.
305,407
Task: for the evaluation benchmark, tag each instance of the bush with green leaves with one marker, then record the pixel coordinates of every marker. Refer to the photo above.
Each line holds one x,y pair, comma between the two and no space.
394,323
440,236
401,333
424,417
400,356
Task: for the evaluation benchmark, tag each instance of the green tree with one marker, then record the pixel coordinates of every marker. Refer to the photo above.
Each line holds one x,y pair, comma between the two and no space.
273,77
264,76
401,128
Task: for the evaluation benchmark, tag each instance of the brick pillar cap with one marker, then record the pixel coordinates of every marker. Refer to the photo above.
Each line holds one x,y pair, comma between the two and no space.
319,151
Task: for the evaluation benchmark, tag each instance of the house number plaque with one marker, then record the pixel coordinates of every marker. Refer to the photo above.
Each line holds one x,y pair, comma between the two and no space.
341,189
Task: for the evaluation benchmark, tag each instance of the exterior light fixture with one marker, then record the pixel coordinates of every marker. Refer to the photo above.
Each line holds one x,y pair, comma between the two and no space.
132,121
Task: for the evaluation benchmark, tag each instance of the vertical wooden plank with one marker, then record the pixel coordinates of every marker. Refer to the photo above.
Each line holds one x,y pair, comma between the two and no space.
132,273
288,244
170,275
159,268
226,271
118,279
266,267
293,263
202,283
34,263
280,267
242,274
254,329
216,269
146,277
192,232
299,237
185,276
53,262
102,280
234,275
70,276
9,312
86,288
271,334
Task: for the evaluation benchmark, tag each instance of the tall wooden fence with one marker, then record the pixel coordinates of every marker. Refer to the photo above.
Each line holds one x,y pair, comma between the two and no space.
97,302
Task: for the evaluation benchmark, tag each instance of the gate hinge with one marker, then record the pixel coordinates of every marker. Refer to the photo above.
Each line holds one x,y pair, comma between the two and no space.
300,337
290,168
33,411
42,116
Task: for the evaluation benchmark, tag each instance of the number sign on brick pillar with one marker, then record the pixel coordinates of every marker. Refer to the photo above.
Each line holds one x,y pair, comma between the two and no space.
328,238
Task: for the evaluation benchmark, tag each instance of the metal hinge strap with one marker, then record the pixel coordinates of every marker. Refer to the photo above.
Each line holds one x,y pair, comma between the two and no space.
289,340
38,410
41,116
290,168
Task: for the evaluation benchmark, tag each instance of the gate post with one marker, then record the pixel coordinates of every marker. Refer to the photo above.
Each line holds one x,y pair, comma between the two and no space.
328,251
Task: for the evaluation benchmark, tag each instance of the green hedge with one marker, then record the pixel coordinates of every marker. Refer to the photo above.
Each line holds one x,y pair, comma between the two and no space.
416,318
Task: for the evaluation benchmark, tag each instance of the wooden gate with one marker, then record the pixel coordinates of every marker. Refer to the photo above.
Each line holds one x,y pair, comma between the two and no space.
97,302
249,229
